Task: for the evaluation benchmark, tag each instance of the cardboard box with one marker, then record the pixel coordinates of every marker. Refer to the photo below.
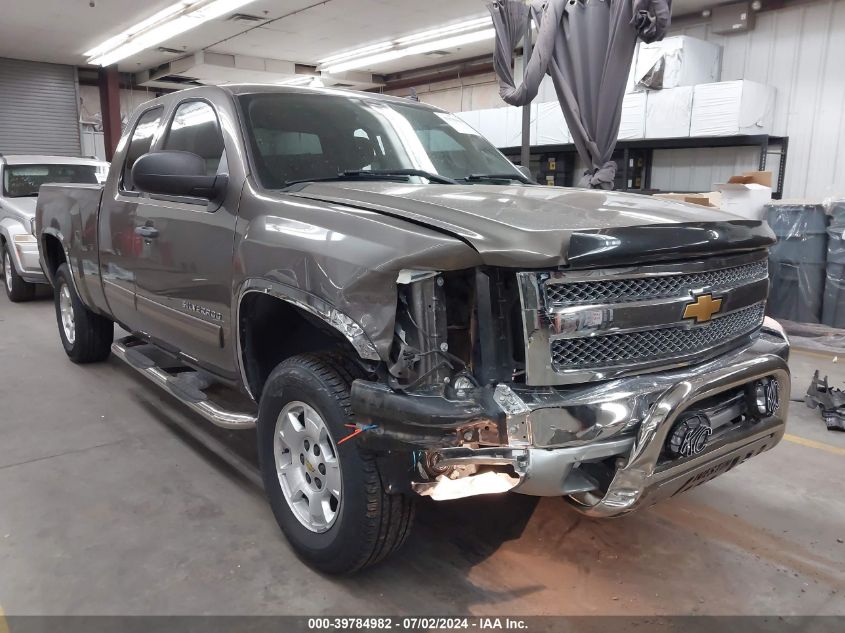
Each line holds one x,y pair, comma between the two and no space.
732,107
668,112
677,61
632,124
710,199
551,126
747,194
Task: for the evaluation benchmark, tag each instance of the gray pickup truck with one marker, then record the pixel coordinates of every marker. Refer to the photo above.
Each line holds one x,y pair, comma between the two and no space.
401,312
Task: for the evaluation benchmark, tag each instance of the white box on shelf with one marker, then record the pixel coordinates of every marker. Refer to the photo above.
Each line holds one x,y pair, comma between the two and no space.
551,126
668,112
632,124
677,61
747,194
732,107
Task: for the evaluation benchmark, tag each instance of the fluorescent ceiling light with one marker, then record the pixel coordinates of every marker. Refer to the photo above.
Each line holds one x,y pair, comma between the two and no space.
391,49
417,49
446,30
358,52
175,19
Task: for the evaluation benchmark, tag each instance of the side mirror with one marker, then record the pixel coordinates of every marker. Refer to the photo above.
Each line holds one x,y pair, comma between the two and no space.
175,173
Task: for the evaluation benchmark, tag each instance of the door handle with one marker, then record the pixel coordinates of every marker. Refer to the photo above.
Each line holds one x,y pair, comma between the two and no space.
148,232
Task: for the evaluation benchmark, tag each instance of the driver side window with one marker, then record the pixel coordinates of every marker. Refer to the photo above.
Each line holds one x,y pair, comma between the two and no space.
195,129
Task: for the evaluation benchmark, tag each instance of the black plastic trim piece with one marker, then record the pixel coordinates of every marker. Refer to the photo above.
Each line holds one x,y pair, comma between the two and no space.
663,242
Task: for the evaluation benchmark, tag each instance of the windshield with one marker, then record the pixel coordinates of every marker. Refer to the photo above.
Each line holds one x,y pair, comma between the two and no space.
300,136
21,181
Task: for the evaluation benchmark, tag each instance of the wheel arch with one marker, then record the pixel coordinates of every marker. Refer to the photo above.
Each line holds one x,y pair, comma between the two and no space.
53,253
275,322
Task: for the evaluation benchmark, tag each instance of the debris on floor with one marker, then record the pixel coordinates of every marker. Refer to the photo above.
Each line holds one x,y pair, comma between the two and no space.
831,401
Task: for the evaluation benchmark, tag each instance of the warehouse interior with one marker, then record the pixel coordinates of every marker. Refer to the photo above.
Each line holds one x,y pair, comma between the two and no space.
117,499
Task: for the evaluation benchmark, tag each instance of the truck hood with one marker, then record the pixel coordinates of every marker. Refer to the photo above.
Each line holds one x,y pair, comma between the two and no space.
24,207
519,225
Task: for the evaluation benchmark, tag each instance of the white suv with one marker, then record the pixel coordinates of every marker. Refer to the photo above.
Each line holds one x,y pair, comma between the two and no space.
20,178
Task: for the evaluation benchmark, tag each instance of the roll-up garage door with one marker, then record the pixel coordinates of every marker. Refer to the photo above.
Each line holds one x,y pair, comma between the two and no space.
39,111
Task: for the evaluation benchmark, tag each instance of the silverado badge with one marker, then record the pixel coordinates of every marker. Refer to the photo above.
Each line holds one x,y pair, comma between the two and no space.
703,308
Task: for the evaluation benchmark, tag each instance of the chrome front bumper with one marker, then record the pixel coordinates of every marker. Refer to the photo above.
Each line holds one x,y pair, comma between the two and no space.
632,420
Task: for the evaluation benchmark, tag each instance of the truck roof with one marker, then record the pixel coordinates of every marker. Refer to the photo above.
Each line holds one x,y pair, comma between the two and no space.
33,159
252,88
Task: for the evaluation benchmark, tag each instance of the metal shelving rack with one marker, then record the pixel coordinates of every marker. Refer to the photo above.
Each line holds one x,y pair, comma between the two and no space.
768,146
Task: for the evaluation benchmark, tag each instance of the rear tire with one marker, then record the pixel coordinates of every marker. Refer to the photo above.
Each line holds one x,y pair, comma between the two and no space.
16,288
307,397
86,336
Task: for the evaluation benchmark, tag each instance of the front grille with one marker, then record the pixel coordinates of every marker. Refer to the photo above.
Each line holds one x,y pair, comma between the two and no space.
655,287
653,345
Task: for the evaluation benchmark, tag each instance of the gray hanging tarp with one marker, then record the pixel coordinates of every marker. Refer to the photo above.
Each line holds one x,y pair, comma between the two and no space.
586,46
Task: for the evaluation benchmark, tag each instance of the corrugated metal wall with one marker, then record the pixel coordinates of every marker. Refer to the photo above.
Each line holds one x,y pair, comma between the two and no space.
39,109
799,50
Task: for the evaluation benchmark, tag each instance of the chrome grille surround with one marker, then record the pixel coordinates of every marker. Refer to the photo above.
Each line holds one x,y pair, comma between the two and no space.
645,288
624,321
652,345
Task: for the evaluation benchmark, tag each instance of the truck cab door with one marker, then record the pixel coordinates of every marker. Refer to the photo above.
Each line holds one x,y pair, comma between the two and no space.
119,245
183,272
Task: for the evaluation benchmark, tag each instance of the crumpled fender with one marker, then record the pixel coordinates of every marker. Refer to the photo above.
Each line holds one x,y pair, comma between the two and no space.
347,257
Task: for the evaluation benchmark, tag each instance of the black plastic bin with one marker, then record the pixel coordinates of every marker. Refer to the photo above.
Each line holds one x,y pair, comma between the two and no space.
837,213
797,262
833,311
795,293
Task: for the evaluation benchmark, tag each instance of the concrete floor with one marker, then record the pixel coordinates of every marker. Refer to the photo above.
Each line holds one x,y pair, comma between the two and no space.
114,499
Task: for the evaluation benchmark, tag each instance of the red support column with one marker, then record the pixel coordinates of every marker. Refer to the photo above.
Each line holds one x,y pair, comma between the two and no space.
108,80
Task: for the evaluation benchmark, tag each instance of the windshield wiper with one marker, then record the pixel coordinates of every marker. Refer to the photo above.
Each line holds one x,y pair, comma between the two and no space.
377,174
442,180
517,177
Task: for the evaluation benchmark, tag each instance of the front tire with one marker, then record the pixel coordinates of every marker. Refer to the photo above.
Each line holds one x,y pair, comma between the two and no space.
16,288
86,336
327,499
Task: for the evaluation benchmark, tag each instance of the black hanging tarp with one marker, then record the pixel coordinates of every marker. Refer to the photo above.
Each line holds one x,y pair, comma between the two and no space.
586,46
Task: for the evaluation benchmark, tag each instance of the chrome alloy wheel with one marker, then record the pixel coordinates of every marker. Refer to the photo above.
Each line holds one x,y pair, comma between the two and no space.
307,466
7,270
66,311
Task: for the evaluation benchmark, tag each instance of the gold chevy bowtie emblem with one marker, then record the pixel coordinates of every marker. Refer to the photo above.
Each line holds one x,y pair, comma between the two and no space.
703,308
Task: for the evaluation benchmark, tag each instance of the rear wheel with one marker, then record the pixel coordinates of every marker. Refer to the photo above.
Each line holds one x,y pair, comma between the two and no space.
16,288
86,336
327,498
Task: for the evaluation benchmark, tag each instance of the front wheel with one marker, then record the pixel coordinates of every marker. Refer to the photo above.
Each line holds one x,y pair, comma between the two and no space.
86,336
327,498
16,288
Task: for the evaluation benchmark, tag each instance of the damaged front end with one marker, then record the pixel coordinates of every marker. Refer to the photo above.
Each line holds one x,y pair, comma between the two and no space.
614,387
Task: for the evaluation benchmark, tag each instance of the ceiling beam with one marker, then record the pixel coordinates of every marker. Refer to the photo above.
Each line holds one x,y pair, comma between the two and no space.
439,72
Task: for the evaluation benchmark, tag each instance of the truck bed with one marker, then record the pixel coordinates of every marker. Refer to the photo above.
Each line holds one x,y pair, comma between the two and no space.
69,212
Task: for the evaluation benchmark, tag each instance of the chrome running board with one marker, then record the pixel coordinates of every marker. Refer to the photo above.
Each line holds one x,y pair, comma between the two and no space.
188,391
